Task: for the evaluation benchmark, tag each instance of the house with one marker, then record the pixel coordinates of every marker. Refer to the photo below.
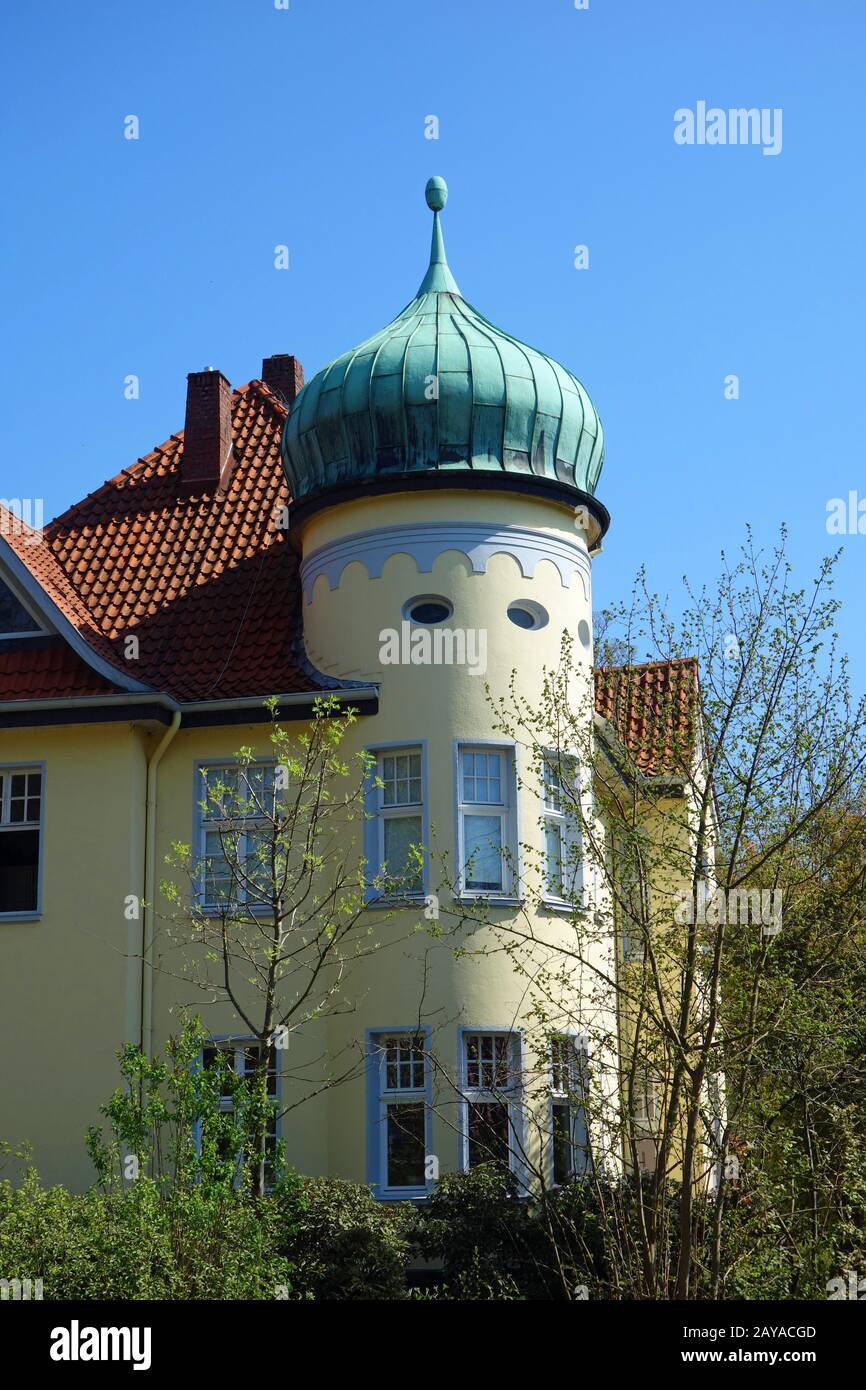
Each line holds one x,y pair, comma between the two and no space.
438,479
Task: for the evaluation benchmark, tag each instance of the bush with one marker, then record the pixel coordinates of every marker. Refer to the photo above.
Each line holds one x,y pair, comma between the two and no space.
140,1244
342,1243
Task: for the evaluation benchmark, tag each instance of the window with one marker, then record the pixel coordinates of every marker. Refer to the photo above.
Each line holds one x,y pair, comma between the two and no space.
243,1060
491,1082
528,615
428,609
486,822
236,808
568,1140
399,821
563,860
20,832
398,1154
631,900
646,1115
15,620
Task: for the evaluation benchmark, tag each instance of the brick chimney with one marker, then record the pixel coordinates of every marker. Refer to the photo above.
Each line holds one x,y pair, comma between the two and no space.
284,375
208,456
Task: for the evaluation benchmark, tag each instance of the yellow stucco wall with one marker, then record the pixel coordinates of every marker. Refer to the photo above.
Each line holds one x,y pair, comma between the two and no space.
70,982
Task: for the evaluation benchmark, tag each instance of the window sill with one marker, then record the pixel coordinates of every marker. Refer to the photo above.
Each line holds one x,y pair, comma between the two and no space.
31,916
490,899
562,905
408,1194
408,900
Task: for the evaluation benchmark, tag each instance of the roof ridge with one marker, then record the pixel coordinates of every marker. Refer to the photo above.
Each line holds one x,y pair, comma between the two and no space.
659,664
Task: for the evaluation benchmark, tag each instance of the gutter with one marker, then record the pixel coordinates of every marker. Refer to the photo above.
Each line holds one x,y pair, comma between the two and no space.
249,709
147,916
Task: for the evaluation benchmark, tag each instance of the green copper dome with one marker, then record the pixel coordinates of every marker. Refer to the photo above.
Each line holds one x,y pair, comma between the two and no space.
442,391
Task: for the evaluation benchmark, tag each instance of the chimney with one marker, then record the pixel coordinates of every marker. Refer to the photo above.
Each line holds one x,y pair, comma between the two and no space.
284,375
207,458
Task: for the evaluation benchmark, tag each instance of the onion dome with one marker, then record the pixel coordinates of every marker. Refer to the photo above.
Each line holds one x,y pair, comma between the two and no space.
442,396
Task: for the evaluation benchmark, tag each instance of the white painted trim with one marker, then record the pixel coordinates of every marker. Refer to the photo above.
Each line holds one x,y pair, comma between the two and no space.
424,542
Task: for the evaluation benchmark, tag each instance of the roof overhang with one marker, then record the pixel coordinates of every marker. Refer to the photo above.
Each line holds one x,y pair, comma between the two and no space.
198,714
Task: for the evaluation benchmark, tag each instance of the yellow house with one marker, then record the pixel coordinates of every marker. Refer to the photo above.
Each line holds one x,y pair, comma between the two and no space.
292,541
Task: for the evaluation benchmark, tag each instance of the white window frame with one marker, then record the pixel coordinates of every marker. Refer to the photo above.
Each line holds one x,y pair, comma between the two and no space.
8,826
506,811
572,1097
415,810
239,1048
208,773
387,1096
508,1095
554,771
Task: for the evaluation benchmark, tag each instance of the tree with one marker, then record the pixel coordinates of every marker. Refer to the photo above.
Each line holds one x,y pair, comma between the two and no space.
276,915
718,814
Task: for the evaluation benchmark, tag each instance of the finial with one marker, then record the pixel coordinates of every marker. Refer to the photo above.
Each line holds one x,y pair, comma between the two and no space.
438,277
436,193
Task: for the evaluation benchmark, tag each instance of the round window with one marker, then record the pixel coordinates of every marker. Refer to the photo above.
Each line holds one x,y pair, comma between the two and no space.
527,614
428,610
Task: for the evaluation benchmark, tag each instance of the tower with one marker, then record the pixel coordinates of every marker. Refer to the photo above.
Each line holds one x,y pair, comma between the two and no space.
442,476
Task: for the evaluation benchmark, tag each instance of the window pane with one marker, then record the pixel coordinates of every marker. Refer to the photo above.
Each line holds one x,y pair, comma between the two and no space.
563,1150
488,1134
400,833
552,787
401,776
553,857
19,870
482,849
482,781
406,1145
487,1061
404,1063
561,1057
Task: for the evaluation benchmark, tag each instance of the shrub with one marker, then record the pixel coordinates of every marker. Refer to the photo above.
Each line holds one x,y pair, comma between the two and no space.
342,1243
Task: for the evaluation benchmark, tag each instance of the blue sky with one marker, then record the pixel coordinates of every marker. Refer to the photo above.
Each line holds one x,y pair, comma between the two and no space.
306,127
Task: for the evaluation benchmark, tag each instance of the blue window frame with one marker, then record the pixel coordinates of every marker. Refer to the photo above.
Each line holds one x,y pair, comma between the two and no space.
487,839
490,1080
399,1112
396,806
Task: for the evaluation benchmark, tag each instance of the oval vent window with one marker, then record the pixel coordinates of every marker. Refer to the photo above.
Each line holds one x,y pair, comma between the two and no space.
427,610
527,614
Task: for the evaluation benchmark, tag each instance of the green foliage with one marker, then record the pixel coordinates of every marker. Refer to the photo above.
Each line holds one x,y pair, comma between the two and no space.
343,1243
141,1243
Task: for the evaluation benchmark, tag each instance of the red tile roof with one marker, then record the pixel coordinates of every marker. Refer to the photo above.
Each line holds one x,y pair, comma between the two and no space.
46,669
207,583
652,708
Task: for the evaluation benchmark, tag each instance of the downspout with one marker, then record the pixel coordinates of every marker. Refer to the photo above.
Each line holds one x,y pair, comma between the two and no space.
146,1040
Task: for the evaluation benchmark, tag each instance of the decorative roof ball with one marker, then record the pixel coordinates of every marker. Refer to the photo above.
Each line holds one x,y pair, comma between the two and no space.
436,193
441,390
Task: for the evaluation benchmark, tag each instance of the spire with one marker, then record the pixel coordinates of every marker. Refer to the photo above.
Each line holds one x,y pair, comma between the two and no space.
438,275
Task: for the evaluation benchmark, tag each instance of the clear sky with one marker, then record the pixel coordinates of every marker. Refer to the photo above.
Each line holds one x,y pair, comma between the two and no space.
306,127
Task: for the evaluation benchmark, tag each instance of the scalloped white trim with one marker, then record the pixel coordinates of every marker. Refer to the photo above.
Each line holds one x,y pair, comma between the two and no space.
426,541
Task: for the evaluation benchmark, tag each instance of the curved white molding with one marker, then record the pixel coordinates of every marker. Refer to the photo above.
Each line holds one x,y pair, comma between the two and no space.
425,541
